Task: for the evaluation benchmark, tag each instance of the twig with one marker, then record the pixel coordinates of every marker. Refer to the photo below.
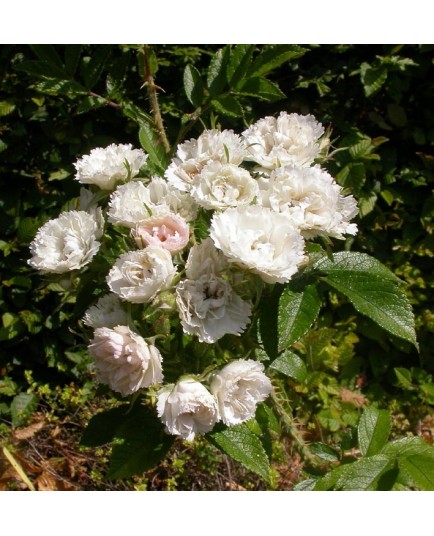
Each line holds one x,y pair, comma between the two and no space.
10,458
108,101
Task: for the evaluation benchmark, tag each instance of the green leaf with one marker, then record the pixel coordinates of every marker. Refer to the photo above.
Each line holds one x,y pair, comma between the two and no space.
299,306
372,78
116,77
305,485
364,474
6,108
407,446
32,320
330,419
367,203
373,430
140,444
286,315
12,327
54,86
352,176
404,378
265,421
228,105
291,365
41,68
7,386
242,445
94,68
136,114
268,322
427,392
49,54
329,480
388,196
72,57
397,115
373,290
216,79
22,407
262,89
325,452
239,61
274,56
419,469
102,427
264,414
28,228
361,149
90,103
151,144
152,62
415,461
193,85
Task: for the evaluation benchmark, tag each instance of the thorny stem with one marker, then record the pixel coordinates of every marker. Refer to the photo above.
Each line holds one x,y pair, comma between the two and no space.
279,402
152,94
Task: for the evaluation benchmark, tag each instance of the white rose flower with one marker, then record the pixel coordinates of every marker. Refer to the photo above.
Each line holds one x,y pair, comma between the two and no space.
106,167
188,409
313,200
261,240
66,243
107,312
193,155
219,186
288,139
239,387
89,203
204,259
209,308
163,193
169,231
129,204
124,361
138,276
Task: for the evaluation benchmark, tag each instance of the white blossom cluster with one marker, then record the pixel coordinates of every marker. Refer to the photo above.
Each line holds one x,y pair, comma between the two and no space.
261,195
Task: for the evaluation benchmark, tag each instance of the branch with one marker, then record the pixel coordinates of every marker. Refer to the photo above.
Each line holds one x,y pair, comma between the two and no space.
155,107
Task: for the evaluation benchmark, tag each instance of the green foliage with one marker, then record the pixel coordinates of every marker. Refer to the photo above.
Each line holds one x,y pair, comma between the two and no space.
403,464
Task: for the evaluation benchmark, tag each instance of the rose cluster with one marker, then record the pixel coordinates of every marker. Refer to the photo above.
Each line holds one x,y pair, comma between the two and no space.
259,194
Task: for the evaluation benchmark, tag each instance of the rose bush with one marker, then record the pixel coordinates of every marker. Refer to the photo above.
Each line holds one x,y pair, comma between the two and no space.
248,280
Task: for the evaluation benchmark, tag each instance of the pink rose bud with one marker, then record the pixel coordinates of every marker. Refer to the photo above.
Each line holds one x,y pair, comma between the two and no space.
168,231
